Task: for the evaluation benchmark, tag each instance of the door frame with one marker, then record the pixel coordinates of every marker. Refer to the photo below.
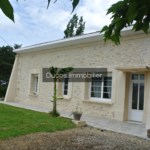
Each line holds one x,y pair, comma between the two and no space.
130,92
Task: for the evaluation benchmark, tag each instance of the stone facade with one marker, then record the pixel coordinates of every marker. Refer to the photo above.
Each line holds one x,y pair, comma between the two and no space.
135,52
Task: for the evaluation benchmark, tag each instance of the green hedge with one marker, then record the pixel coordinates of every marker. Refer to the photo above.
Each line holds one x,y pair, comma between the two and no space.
3,91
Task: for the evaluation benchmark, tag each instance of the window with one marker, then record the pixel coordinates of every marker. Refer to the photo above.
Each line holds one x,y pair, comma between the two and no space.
65,87
100,88
138,76
34,79
35,84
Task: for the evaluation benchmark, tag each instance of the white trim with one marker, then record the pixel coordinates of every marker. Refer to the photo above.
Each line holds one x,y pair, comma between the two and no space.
130,95
63,42
35,83
102,88
87,38
100,99
65,96
34,72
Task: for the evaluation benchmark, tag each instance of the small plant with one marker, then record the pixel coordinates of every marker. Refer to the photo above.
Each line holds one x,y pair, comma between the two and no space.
77,110
57,76
77,113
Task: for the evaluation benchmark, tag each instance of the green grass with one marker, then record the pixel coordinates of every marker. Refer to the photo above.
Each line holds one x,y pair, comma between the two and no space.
16,121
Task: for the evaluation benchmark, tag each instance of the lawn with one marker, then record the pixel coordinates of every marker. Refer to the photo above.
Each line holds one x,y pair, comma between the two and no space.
16,121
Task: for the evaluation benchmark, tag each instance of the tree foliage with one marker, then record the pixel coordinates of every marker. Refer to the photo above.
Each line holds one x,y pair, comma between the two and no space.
3,90
56,76
74,27
124,14
7,57
7,8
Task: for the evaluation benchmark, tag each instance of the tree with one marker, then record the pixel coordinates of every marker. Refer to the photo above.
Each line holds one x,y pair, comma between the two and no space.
124,14
57,76
74,27
7,8
7,57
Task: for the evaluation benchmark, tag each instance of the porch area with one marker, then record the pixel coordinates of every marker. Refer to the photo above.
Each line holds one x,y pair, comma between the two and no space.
130,128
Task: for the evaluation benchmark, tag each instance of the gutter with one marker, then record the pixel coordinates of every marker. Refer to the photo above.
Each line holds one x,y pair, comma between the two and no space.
81,39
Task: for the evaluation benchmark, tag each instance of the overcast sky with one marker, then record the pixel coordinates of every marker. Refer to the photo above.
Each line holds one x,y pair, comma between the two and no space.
35,24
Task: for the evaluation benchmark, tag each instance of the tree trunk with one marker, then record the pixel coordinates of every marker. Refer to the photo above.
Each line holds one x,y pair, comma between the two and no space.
54,99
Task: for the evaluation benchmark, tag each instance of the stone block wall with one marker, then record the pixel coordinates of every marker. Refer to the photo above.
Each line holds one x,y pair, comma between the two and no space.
130,53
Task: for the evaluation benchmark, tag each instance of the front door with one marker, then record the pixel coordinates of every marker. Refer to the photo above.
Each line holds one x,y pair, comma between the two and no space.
136,97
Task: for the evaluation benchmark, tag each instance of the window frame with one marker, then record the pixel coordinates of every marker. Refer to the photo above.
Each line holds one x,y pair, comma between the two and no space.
36,78
31,84
139,81
63,85
102,90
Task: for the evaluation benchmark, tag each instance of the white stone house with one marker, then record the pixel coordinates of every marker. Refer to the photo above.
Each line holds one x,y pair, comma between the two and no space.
124,95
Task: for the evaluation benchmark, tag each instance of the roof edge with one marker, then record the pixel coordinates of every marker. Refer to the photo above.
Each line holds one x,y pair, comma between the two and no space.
70,41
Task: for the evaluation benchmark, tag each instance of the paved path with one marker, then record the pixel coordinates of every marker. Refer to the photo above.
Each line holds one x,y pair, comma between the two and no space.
130,128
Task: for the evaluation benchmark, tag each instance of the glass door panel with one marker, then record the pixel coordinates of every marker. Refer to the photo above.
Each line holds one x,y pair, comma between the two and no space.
141,96
135,95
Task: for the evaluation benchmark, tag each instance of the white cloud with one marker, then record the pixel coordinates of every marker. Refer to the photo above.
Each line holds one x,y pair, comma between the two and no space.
94,13
35,24
6,23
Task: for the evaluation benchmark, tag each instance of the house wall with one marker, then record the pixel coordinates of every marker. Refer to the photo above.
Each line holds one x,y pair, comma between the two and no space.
133,51
12,86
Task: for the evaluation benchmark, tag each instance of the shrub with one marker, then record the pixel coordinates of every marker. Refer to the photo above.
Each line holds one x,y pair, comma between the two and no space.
53,114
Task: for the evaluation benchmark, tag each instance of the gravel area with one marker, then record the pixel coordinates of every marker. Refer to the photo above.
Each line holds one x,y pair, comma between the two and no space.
76,139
